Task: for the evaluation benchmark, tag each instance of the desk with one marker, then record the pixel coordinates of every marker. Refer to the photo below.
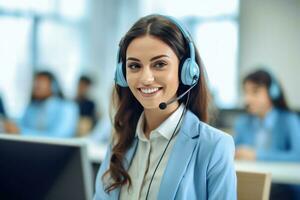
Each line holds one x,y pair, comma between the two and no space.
282,172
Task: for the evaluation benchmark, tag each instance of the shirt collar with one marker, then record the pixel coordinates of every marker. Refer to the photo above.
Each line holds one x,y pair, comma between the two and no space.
165,129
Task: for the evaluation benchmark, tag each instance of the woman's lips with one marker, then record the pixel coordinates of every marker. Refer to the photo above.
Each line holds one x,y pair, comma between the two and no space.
149,92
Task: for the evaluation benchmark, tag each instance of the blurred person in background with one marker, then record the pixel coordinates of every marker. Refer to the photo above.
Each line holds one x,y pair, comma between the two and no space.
48,113
87,107
269,131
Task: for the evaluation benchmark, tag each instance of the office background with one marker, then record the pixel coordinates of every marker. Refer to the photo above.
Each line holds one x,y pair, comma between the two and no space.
74,37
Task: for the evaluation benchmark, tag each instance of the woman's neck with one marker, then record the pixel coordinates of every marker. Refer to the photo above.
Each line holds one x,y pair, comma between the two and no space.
154,117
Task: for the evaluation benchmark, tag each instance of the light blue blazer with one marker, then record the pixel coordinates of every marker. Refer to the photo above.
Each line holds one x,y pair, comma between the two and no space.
285,136
200,166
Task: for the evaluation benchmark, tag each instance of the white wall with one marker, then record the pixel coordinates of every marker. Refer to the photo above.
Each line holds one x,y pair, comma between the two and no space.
270,35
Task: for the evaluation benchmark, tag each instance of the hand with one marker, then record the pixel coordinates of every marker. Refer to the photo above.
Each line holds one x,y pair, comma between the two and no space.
10,127
245,153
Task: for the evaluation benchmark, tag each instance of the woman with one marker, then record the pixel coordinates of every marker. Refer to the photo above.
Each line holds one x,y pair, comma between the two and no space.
162,147
269,131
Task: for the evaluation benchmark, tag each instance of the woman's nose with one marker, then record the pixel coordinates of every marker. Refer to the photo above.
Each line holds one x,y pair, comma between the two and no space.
248,98
147,76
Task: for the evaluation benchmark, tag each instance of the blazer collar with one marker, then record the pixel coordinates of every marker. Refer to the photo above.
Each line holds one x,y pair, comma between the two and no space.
180,156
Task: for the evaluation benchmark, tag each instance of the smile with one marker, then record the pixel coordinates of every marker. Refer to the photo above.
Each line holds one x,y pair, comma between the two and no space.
149,91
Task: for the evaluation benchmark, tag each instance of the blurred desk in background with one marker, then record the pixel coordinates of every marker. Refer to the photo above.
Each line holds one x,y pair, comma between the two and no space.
282,172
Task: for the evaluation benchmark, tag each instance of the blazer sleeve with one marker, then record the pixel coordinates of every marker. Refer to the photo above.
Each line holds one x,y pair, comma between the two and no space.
221,175
99,186
292,124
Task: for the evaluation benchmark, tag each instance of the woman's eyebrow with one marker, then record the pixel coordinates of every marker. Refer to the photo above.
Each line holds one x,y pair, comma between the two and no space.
154,58
132,58
157,57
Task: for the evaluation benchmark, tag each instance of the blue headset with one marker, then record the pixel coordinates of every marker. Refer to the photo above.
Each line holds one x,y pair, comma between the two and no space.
190,70
54,87
274,89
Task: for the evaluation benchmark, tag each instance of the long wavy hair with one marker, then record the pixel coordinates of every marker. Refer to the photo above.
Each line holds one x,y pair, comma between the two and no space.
128,109
263,78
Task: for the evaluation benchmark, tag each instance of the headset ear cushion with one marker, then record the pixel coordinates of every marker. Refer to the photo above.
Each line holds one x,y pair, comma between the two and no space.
119,76
274,91
189,71
54,88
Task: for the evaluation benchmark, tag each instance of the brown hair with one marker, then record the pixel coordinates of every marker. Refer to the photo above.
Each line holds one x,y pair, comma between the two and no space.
128,109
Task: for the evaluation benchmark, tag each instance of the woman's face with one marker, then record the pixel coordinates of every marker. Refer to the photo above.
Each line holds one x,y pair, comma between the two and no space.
151,71
257,98
41,87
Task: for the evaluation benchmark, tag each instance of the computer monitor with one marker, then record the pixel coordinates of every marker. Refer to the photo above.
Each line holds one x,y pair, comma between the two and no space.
44,168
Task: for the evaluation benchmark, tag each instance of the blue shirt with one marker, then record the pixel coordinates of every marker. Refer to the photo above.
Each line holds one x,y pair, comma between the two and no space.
281,140
200,166
53,117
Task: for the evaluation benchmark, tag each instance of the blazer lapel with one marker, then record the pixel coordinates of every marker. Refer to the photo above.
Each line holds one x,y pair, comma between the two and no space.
181,154
128,158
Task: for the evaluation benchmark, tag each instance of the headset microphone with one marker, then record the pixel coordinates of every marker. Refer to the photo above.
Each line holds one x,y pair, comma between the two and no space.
164,105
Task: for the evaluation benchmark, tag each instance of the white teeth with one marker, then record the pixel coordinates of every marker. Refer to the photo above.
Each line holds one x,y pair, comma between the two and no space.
149,90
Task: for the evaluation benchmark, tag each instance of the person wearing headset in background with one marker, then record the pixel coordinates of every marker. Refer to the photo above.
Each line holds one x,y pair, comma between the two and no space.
48,113
162,147
269,131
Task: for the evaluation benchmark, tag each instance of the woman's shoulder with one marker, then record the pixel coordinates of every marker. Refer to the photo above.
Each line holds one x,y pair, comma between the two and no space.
214,145
209,135
286,113
288,117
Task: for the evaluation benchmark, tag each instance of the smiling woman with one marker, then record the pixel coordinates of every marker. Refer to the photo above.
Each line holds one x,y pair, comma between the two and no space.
152,72
156,153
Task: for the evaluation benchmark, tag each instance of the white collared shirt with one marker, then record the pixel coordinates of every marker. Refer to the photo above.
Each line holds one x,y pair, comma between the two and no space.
147,155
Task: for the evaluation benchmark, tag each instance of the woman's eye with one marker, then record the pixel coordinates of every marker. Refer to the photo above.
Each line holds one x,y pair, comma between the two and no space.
133,66
159,64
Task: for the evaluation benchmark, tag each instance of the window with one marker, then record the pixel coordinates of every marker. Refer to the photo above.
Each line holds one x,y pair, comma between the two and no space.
38,35
41,6
14,48
60,51
217,42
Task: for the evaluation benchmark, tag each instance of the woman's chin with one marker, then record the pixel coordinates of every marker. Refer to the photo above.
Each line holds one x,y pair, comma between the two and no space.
150,106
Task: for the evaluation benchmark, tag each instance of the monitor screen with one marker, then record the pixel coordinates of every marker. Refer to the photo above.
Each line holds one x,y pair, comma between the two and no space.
42,168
